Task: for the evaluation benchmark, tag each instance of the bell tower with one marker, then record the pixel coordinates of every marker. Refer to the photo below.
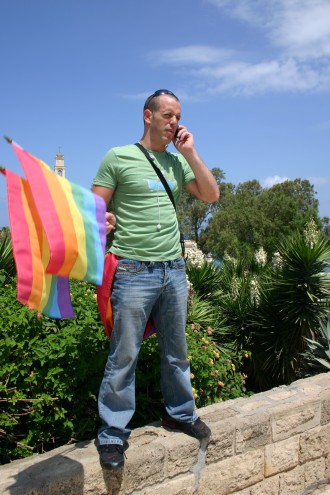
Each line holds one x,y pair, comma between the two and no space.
59,167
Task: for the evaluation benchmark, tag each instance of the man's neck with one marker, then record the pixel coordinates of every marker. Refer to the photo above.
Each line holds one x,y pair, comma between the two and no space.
152,146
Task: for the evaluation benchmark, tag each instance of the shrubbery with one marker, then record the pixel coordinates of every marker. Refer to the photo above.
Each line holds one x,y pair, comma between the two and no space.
249,316
216,374
50,373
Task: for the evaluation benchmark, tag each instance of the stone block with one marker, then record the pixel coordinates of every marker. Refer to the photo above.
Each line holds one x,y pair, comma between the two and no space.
181,455
320,488
292,482
325,412
222,441
281,456
314,443
269,486
144,466
313,385
314,471
281,394
291,419
232,474
167,463
327,466
218,412
246,491
184,485
253,405
252,432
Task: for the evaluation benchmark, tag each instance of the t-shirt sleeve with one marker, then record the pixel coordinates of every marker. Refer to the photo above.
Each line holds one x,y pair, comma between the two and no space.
106,175
188,174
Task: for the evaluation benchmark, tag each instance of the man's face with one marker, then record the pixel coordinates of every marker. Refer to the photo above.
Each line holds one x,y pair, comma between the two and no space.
164,121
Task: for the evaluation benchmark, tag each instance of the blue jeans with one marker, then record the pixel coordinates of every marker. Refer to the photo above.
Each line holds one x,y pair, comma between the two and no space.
141,289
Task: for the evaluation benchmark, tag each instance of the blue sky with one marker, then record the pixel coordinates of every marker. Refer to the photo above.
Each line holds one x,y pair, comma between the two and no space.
253,77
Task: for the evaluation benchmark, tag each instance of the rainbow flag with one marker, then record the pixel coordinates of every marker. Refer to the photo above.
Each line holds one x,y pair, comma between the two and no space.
58,232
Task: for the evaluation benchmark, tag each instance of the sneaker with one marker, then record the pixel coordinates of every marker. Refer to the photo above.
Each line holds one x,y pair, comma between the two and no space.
197,429
112,455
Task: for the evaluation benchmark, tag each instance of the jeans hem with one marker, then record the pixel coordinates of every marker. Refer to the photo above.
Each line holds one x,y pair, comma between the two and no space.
112,442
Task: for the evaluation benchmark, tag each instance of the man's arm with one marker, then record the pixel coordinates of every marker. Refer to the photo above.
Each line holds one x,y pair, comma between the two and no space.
204,185
106,193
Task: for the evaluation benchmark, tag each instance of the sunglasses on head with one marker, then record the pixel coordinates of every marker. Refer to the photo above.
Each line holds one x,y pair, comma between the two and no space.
159,92
162,92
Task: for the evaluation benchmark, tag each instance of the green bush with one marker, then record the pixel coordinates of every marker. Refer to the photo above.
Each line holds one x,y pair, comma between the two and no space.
270,307
292,301
216,373
316,358
49,374
51,370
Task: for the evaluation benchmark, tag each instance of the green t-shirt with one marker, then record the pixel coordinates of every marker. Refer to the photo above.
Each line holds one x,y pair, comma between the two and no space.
141,203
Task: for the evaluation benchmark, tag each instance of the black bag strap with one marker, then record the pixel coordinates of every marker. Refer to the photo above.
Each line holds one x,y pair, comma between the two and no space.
166,186
158,172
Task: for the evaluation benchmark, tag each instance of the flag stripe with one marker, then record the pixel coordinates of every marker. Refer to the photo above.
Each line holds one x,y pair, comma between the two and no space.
61,209
59,303
36,289
45,207
63,297
86,201
100,239
58,232
79,269
78,212
20,236
31,217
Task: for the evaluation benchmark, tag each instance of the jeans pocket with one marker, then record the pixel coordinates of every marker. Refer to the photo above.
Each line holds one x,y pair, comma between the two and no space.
179,264
127,266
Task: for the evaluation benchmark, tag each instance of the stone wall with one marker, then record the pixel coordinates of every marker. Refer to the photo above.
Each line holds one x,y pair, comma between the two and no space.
276,442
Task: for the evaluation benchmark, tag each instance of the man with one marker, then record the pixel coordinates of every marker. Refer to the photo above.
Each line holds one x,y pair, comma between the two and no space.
150,277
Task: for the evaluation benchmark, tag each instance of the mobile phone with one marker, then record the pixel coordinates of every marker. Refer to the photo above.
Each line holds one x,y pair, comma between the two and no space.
176,133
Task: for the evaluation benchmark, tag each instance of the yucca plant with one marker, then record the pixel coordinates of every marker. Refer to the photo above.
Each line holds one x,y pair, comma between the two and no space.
317,356
205,279
7,263
292,302
238,295
201,311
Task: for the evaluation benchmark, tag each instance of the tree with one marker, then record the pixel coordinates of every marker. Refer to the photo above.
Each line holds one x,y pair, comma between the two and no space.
193,214
233,227
250,217
326,226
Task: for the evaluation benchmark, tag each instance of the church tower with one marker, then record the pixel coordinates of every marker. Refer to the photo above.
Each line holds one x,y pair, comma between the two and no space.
59,168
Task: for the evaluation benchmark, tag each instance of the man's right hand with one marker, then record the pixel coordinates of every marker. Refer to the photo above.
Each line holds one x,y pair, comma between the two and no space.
110,222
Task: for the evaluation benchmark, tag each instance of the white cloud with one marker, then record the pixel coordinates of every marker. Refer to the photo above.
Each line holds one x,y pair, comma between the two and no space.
276,179
299,32
303,28
193,54
274,75
300,27
271,181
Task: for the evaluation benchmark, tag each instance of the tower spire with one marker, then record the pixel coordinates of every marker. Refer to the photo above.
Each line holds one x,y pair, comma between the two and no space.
59,167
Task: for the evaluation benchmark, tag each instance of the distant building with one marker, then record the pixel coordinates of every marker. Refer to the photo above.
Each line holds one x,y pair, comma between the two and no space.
59,167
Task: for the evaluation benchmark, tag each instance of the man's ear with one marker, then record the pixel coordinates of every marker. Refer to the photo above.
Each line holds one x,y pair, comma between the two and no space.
147,115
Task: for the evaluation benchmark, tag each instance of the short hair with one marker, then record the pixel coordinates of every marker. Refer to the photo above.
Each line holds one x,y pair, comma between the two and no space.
152,100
